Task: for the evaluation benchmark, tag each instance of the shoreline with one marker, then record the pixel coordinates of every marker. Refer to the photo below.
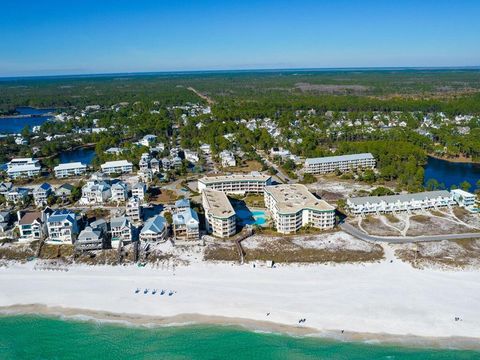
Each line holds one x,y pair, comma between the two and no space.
181,320
460,160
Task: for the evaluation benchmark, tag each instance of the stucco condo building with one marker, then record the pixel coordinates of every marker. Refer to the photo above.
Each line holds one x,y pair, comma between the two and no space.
400,203
70,169
23,168
343,163
220,218
293,206
236,183
117,167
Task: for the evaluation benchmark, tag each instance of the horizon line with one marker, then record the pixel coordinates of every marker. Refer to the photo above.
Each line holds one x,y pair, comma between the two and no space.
245,70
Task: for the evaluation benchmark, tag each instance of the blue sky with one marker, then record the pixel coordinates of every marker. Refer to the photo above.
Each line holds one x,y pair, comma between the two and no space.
86,36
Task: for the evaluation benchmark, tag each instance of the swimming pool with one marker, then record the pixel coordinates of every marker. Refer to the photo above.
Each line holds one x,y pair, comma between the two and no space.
247,217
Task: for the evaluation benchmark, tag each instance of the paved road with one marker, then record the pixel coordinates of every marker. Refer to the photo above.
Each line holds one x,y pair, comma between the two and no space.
352,230
280,174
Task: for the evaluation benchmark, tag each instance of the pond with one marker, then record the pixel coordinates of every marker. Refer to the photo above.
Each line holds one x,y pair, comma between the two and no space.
15,123
452,173
83,155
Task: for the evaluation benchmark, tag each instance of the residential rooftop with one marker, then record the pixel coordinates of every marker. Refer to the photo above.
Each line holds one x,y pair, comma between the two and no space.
339,158
292,198
218,204
254,176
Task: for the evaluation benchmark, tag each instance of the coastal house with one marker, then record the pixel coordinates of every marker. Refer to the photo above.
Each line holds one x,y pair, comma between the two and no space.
5,225
121,231
117,167
145,176
155,165
148,140
5,187
119,192
113,151
89,239
62,227
64,191
69,169
186,225
41,194
16,195
23,168
182,204
191,156
154,230
133,209
139,190
95,192
227,158
31,225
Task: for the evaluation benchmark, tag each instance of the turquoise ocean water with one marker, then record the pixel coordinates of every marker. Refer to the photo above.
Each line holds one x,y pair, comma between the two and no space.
35,337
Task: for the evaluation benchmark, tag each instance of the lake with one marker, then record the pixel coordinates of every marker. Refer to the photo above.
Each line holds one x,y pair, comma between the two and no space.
15,123
83,155
452,173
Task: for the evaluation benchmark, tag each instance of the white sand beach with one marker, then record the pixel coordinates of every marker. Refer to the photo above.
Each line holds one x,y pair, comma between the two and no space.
379,298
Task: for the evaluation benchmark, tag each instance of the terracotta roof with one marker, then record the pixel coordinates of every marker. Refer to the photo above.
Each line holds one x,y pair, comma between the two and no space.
30,217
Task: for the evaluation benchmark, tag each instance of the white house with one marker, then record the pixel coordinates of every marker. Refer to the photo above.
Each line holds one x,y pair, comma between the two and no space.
191,156
133,209
62,227
41,194
121,230
186,225
119,192
31,225
95,192
90,238
70,169
117,167
148,140
16,195
228,159
139,190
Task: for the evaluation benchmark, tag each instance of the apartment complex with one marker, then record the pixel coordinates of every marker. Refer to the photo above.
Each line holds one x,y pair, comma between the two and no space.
117,167
220,218
343,163
293,206
23,168
464,198
236,183
400,203
70,169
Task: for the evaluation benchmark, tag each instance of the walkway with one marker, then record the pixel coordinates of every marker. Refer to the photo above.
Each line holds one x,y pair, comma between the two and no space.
352,230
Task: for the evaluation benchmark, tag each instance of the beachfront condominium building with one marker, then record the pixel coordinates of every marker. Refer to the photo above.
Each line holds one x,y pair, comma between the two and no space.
220,218
70,169
400,203
154,230
464,198
62,227
23,168
186,225
293,206
121,231
236,183
342,163
117,167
